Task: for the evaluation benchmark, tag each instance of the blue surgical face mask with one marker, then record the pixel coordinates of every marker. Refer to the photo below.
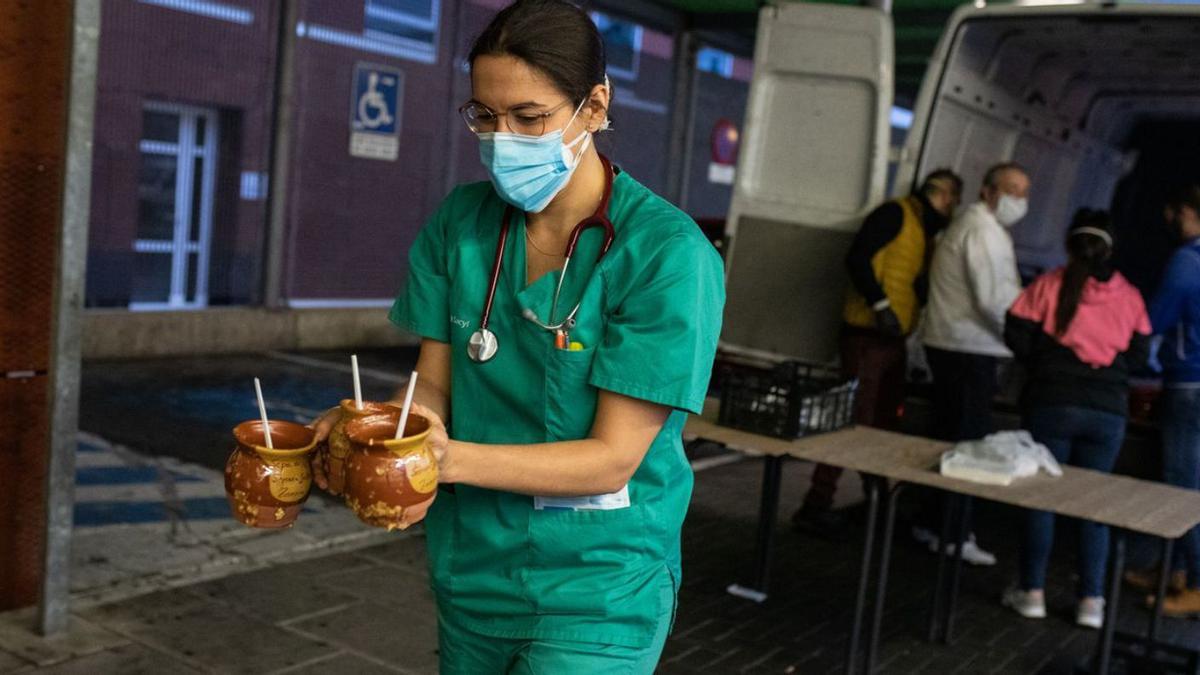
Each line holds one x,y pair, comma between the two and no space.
529,171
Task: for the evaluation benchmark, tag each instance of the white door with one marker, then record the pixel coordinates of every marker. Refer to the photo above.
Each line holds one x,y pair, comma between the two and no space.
813,163
175,204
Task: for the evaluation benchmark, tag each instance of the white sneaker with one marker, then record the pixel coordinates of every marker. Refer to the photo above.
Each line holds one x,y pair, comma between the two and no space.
1090,613
972,553
1029,604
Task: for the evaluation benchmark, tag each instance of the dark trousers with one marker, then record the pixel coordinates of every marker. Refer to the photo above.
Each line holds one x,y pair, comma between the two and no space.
963,388
879,362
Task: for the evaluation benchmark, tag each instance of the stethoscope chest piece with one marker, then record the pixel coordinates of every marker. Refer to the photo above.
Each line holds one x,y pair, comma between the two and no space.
482,346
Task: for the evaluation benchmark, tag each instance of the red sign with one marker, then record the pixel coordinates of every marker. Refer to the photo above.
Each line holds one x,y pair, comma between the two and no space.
724,142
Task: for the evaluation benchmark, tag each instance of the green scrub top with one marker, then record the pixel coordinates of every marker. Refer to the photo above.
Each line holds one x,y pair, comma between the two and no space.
649,322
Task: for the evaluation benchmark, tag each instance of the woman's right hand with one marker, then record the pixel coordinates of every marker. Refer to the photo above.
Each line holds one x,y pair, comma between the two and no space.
322,426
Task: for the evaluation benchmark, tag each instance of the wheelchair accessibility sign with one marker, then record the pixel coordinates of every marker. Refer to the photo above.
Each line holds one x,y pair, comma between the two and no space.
375,112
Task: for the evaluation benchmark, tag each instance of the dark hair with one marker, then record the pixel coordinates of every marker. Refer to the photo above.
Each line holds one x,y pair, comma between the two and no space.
993,174
929,185
554,36
1089,255
1188,196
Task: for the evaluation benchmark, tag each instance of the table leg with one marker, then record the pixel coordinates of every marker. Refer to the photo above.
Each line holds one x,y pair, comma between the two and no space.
935,615
864,576
768,511
885,557
964,530
1105,645
939,586
1164,574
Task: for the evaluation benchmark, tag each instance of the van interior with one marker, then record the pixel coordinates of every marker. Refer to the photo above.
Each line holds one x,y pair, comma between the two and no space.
1101,103
1103,109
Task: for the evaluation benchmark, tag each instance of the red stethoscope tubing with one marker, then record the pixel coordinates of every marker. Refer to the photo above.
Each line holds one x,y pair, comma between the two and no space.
597,219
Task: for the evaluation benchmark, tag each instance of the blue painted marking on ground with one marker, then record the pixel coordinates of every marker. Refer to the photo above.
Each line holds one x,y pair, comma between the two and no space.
125,475
230,405
90,514
84,446
115,511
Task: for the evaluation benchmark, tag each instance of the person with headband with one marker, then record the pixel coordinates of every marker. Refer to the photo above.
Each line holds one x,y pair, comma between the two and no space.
1080,331
569,320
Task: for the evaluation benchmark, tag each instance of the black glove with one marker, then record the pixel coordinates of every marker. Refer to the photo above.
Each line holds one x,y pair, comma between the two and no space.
887,322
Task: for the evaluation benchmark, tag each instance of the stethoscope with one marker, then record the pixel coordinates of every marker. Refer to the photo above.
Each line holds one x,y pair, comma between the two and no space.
483,344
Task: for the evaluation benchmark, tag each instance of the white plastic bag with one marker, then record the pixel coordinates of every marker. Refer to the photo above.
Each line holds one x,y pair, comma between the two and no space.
999,459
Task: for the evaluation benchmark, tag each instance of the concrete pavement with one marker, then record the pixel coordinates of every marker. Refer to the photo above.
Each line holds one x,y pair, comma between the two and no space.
165,582
370,610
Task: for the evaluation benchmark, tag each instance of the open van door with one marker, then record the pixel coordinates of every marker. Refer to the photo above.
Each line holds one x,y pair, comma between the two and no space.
813,163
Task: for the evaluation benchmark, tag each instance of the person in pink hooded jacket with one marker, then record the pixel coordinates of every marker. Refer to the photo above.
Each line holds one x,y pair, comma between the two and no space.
1079,331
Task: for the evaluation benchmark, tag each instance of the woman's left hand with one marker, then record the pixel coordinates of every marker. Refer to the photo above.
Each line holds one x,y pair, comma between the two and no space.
439,442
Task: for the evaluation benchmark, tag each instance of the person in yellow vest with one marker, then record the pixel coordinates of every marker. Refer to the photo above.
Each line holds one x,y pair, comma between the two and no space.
887,263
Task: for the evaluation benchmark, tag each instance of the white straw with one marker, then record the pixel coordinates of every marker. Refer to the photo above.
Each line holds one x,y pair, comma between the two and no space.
262,410
357,383
412,384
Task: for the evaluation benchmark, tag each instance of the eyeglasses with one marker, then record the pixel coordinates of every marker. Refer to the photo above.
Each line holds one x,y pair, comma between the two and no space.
522,120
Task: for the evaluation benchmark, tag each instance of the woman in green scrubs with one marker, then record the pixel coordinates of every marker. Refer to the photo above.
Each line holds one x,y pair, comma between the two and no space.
554,540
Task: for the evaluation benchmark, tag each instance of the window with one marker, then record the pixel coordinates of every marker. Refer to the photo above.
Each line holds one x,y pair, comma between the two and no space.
715,61
412,22
622,43
175,199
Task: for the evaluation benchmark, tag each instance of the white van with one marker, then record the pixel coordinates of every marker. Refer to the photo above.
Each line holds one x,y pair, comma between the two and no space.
1057,88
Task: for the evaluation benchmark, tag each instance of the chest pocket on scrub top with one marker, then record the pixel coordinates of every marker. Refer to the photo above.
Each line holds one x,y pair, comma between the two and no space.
570,400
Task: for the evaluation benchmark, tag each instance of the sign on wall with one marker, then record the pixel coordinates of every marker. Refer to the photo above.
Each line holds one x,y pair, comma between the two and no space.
375,112
723,142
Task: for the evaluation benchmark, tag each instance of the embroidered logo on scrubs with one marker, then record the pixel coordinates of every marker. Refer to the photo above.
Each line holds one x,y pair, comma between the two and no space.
461,323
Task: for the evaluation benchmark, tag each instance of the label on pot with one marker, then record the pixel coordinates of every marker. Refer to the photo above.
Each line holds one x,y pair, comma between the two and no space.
422,473
290,482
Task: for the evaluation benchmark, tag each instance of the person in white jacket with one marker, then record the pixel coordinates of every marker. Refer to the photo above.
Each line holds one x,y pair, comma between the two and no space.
972,282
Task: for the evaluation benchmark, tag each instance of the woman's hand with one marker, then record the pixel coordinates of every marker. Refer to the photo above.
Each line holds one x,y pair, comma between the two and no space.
439,442
322,426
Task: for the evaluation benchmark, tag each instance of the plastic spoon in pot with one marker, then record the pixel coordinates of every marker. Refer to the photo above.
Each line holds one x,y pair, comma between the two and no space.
262,410
412,384
357,382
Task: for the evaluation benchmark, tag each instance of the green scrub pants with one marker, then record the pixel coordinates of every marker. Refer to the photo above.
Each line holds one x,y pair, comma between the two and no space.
465,652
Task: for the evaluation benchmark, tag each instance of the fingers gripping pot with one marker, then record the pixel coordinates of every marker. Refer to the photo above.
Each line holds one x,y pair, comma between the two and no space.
267,487
390,482
335,451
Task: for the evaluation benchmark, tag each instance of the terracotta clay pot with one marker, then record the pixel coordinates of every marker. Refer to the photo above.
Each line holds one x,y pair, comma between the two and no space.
336,449
390,483
268,487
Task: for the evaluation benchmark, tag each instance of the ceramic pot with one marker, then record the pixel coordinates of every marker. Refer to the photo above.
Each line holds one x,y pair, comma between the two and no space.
390,483
336,449
267,487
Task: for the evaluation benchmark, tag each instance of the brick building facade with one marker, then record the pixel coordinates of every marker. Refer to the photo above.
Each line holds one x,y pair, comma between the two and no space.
184,135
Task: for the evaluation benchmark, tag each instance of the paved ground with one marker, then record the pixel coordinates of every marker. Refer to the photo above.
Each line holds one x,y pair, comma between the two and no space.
146,522
368,610
150,507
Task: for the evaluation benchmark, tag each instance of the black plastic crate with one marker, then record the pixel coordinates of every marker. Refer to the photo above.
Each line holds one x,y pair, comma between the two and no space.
789,400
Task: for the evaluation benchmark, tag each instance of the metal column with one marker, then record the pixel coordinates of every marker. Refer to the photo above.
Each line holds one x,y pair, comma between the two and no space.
681,116
53,610
281,146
